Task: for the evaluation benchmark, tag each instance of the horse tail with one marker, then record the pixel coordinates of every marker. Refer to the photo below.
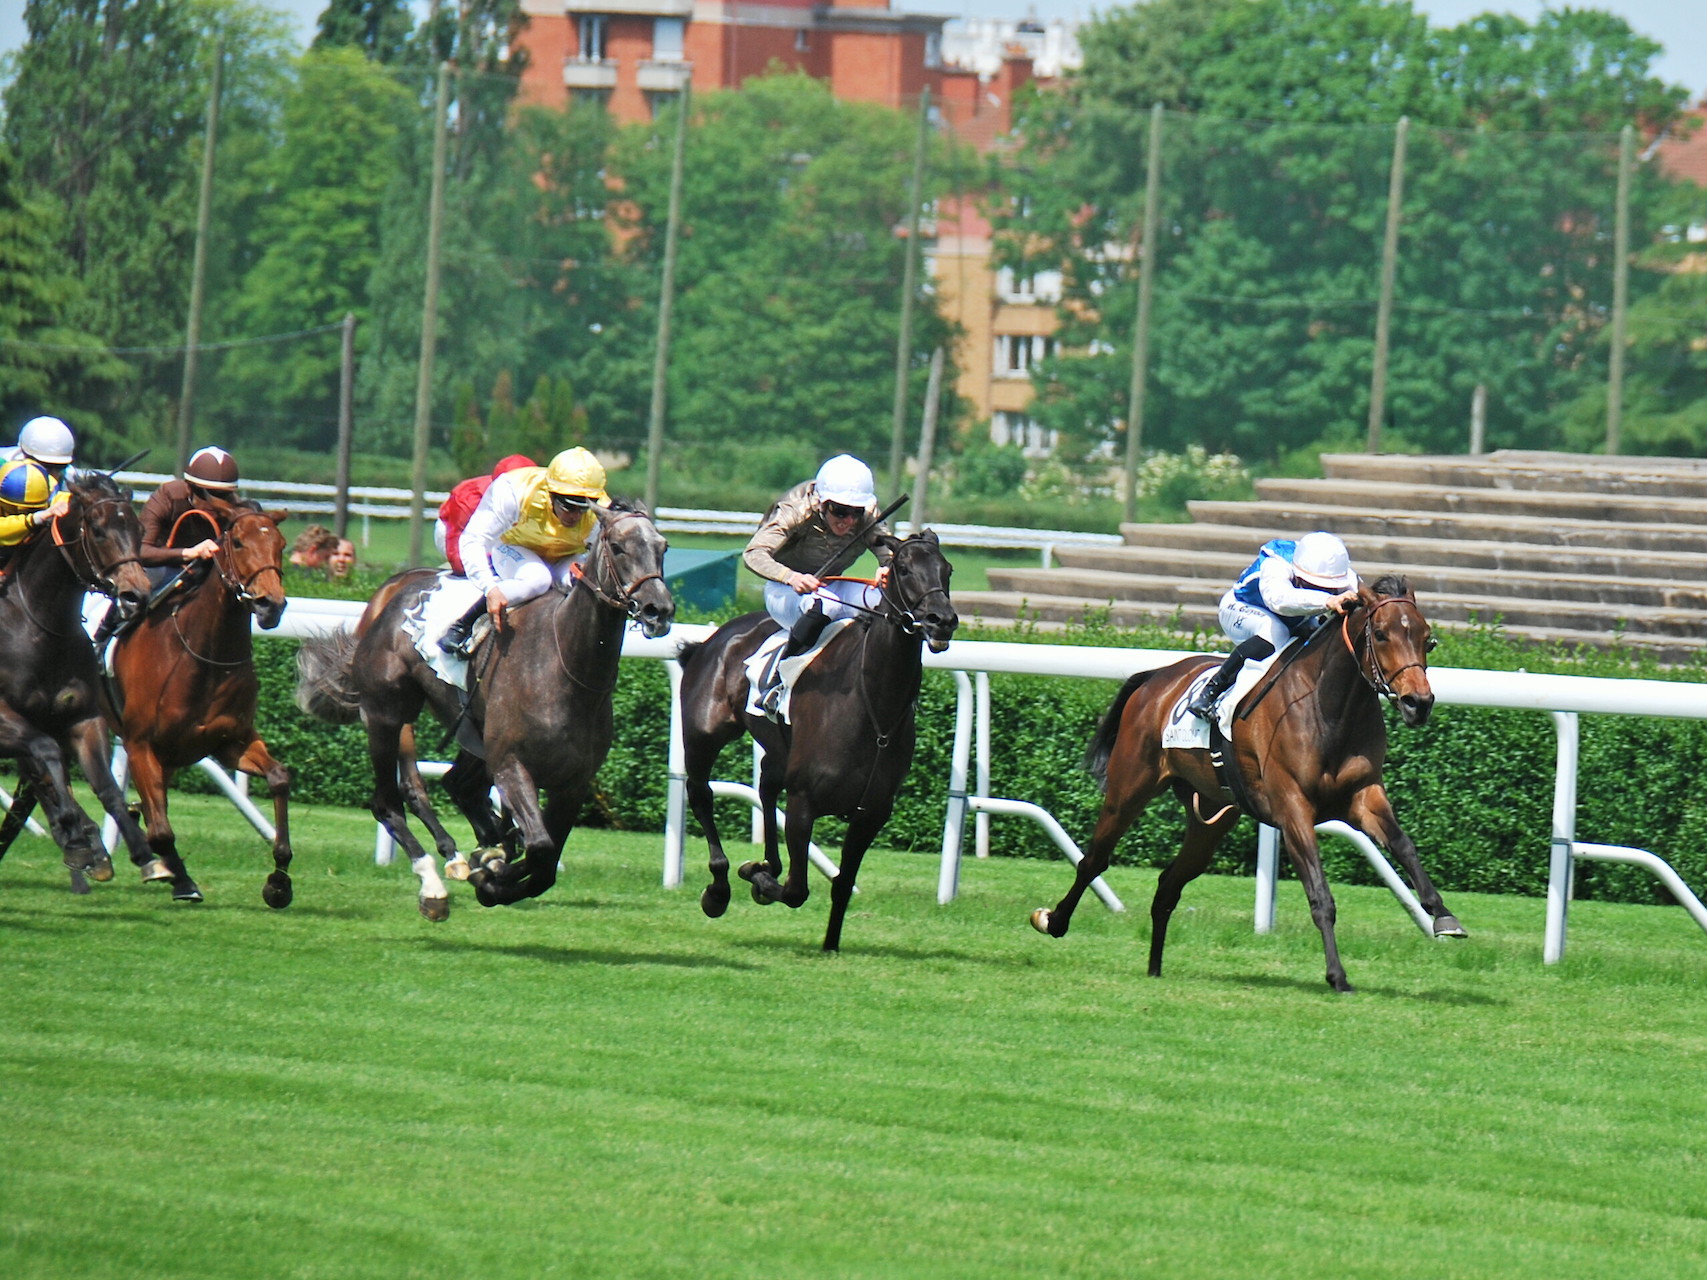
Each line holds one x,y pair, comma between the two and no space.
323,687
1102,745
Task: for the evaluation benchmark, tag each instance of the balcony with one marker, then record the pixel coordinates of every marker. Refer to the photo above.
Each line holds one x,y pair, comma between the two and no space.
642,8
589,74
661,76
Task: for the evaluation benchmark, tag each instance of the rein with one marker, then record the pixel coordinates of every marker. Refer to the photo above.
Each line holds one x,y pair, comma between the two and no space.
99,576
623,599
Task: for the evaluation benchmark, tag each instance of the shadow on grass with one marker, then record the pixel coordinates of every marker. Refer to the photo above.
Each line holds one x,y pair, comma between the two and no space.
1320,985
573,956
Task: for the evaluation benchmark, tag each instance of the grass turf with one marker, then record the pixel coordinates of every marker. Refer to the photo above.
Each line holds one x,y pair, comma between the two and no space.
604,1083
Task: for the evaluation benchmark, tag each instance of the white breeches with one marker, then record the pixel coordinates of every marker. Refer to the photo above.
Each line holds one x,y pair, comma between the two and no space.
785,604
1241,621
524,574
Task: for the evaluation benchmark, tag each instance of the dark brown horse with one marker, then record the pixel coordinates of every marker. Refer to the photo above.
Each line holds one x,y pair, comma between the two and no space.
186,686
540,711
49,681
850,742
1309,743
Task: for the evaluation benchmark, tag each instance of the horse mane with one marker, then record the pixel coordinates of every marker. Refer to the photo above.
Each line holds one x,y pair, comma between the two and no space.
1391,584
97,482
629,507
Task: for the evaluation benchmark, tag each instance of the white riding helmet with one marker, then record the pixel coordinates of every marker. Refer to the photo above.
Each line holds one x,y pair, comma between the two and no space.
1321,560
47,440
844,479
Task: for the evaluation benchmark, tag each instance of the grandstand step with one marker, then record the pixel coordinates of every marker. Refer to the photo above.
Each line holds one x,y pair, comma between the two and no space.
1558,473
1564,534
1604,507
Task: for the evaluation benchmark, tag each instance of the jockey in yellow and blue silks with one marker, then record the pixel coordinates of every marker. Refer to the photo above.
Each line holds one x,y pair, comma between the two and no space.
27,502
1287,587
523,538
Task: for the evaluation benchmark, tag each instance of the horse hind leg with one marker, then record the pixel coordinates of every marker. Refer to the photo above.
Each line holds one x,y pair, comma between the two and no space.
1203,832
1372,813
714,898
387,807
1123,801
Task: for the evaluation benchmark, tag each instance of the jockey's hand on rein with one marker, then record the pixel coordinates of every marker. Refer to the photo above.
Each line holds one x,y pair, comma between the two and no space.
496,604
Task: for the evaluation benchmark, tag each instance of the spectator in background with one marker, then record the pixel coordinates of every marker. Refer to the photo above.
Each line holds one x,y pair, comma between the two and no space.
313,545
341,560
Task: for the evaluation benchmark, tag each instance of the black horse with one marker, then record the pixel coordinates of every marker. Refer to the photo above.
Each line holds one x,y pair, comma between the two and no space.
540,709
49,680
850,740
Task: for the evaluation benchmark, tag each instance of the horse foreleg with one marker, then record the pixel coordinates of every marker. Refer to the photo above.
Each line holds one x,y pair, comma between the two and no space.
74,833
1201,837
92,743
257,760
1372,813
151,781
498,883
387,806
764,876
1297,822
861,832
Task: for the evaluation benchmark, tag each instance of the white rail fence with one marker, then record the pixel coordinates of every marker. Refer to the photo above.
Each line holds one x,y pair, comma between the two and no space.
972,663
370,502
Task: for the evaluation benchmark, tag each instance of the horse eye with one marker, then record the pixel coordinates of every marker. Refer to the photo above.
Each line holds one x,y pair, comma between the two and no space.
1381,636
1431,646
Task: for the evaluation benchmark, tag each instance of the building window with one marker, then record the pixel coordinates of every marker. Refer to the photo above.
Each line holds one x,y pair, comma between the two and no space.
1022,430
1016,353
1036,286
667,37
802,42
592,38
933,48
599,98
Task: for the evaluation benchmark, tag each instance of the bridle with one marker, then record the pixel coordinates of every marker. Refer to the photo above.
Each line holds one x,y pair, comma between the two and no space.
623,597
242,588
904,615
1367,666
99,576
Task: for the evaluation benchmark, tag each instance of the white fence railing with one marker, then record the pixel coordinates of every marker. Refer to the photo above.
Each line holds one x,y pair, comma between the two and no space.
371,502
973,662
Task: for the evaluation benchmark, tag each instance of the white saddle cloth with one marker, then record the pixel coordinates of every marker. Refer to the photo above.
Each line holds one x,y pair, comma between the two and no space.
426,620
1185,730
760,663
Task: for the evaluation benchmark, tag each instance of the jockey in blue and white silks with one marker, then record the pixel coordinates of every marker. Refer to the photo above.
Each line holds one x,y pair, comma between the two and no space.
1287,587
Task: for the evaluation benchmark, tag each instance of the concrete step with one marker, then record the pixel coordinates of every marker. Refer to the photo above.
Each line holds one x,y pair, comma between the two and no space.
1557,473
1557,610
1055,613
1518,557
1401,496
1292,518
1435,579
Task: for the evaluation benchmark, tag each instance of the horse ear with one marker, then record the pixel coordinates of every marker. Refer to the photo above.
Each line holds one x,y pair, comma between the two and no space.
886,540
277,517
928,535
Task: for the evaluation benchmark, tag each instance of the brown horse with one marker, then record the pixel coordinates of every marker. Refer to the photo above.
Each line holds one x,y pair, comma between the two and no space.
850,742
49,679
1309,742
186,685
539,714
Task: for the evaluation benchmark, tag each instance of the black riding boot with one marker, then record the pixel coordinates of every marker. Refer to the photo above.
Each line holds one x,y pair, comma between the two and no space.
1203,704
801,637
459,636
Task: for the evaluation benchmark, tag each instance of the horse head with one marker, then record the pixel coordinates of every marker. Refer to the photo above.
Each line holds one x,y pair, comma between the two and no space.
251,559
100,538
1391,640
625,566
917,588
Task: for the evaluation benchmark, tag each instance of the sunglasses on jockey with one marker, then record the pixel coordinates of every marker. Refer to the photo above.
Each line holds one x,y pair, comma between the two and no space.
836,511
571,503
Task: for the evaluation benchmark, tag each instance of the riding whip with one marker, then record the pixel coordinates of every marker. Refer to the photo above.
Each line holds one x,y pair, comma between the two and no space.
860,532
129,462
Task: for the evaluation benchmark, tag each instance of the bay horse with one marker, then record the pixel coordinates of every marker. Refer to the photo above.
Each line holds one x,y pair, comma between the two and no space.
850,741
1309,742
539,712
50,705
185,684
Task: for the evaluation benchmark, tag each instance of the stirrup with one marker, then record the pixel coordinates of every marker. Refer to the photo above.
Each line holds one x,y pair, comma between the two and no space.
1203,707
457,641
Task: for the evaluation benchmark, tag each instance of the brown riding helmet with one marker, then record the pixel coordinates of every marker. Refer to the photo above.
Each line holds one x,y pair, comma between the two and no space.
212,468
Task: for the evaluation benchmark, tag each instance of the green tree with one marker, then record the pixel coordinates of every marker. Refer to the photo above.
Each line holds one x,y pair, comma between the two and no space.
1269,257
380,29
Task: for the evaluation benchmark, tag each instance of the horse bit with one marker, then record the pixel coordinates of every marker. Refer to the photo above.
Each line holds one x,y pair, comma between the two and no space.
624,599
99,577
1378,679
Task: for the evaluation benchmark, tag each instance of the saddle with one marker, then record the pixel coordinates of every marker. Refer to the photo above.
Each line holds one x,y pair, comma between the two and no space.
759,664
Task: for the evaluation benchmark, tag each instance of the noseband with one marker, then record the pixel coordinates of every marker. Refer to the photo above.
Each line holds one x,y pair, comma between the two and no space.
623,596
99,576
904,615
242,588
1367,665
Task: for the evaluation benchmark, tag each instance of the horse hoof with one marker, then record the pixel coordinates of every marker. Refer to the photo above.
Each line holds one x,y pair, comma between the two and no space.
748,869
715,900
186,892
276,893
484,891
491,856
435,909
155,872
1040,920
102,867
457,868
1448,927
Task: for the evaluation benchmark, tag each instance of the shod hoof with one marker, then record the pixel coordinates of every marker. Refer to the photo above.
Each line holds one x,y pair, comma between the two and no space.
457,868
276,893
435,909
715,900
156,872
1448,927
186,892
102,867
1040,920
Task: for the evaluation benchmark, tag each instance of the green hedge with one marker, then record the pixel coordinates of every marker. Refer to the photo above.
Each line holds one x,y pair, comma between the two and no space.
1474,787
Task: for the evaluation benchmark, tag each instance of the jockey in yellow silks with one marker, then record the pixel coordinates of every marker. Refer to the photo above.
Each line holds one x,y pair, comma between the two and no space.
523,538
27,502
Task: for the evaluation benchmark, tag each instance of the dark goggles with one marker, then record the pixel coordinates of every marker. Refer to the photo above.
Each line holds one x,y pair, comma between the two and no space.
837,511
570,502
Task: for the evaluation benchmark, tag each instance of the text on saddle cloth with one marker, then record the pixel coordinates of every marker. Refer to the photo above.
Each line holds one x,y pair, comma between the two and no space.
1184,730
759,665
431,615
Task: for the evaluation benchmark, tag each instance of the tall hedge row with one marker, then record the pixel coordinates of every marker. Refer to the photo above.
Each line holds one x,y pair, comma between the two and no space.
1474,787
